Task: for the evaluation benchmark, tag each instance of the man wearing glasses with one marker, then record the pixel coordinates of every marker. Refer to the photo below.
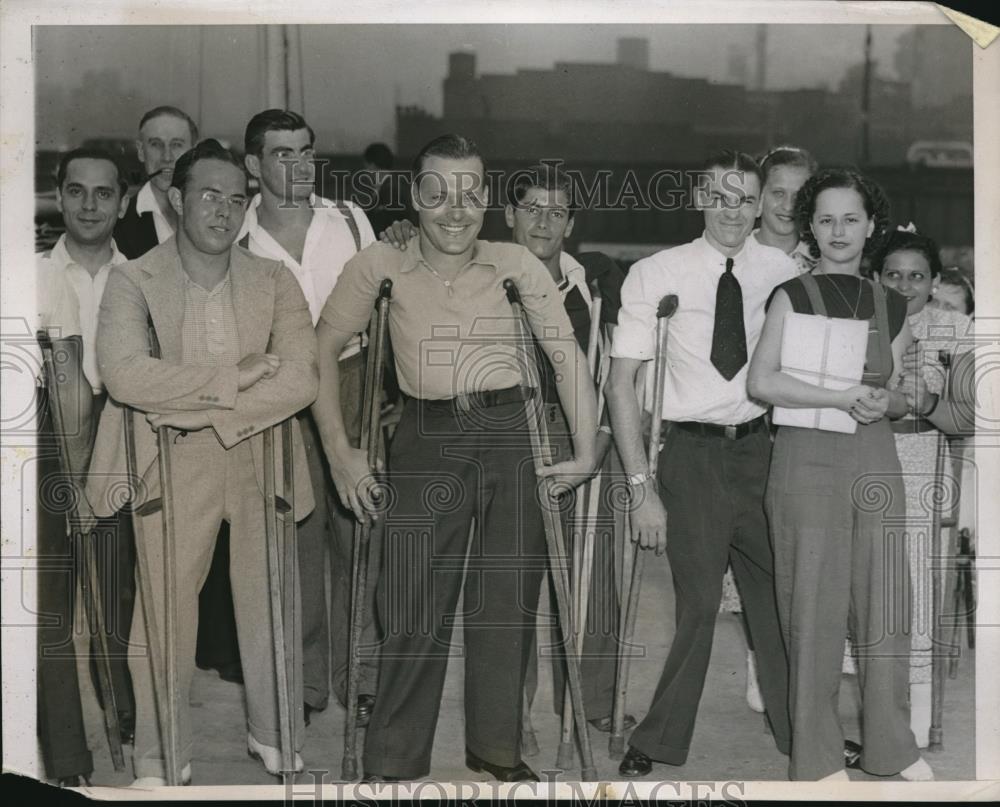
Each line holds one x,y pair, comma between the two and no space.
238,356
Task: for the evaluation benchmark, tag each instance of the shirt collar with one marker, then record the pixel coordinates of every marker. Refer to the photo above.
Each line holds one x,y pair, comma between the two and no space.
145,201
481,255
251,225
569,265
713,255
61,257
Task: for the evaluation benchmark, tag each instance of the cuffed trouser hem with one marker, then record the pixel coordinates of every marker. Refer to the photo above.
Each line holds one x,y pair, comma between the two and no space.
315,699
157,766
660,753
890,769
492,753
399,767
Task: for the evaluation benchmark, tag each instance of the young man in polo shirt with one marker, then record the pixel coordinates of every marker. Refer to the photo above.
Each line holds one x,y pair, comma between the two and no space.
463,428
716,449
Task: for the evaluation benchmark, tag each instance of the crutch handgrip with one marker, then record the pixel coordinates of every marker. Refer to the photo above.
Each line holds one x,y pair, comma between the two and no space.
667,306
513,295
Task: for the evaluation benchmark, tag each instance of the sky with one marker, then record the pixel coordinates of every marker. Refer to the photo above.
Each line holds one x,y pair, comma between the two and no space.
355,74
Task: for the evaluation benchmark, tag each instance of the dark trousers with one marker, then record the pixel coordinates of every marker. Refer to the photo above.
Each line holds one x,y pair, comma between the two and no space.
446,470
713,491
61,732
60,717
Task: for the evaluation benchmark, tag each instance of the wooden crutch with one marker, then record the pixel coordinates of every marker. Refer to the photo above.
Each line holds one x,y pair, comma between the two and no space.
162,658
632,557
371,438
583,537
540,451
90,584
286,720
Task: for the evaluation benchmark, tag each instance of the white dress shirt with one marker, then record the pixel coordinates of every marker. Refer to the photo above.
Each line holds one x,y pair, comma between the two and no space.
145,202
329,245
89,290
693,389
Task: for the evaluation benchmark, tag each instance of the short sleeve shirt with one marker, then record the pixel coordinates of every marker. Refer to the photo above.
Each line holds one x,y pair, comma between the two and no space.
457,339
694,390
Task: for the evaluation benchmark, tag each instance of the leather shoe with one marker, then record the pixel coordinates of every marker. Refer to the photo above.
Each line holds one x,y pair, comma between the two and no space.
852,754
518,773
635,764
604,723
307,712
366,705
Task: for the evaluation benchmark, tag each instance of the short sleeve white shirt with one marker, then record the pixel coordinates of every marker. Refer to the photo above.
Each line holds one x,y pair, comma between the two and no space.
693,389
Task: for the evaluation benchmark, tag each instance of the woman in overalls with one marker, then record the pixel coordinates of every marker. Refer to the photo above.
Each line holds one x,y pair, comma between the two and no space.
835,501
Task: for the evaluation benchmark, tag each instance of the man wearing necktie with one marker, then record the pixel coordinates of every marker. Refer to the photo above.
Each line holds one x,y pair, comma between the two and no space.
715,448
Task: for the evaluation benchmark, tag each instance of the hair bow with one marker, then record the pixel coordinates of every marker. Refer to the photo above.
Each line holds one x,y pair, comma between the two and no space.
909,228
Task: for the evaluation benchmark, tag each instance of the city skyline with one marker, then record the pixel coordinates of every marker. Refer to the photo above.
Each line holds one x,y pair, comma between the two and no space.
96,81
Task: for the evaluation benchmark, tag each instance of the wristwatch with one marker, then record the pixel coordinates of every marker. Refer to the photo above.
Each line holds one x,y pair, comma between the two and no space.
634,480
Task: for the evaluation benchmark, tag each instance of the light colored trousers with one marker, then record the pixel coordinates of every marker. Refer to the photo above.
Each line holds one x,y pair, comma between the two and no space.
210,484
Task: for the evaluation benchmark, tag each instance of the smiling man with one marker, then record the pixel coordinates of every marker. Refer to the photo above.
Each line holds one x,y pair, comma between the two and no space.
165,133
460,454
91,197
706,506
238,356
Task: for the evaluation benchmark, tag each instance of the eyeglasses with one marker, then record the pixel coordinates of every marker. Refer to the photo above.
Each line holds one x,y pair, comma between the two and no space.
217,199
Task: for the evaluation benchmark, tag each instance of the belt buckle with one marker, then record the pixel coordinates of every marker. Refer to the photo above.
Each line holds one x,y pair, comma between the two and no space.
730,432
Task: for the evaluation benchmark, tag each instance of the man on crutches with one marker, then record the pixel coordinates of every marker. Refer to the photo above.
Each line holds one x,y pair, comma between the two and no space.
237,357
91,196
460,454
541,213
715,448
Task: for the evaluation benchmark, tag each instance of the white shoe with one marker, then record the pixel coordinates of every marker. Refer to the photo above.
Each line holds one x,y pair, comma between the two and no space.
919,771
837,776
270,756
850,664
920,713
754,699
158,781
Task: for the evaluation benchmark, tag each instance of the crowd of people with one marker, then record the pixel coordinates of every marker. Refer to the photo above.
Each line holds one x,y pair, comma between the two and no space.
217,314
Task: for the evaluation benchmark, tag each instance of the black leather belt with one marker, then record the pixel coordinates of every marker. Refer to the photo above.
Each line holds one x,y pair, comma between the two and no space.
911,426
468,402
736,432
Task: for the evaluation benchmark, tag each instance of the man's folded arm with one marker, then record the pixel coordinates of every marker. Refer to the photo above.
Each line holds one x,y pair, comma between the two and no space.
293,387
133,377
